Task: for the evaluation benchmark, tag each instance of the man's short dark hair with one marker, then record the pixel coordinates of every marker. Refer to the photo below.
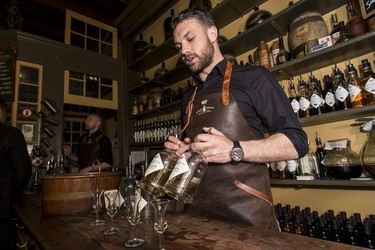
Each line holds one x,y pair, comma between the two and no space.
200,15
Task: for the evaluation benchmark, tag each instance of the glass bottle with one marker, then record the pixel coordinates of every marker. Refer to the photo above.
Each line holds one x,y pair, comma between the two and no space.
368,149
161,71
344,35
167,28
335,31
275,49
128,185
320,154
294,99
138,46
263,55
316,97
291,169
341,91
368,81
284,55
304,100
257,17
356,25
356,91
135,107
308,165
150,46
329,95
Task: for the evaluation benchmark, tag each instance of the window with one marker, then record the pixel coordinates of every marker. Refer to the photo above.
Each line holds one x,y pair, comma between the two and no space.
89,34
74,128
27,99
90,90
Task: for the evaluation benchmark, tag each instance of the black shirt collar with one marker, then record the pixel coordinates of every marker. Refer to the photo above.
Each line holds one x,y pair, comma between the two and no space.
218,69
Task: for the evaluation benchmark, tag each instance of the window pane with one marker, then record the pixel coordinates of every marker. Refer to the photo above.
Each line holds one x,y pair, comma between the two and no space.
106,81
78,26
28,93
106,93
92,87
75,137
106,36
29,75
106,49
75,87
92,31
76,126
92,45
66,137
76,75
77,40
67,125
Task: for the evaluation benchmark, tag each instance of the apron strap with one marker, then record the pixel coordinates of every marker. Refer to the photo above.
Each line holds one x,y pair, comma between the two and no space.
226,81
254,192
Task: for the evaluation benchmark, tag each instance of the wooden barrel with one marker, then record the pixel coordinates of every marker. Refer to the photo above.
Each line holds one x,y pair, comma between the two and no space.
71,193
308,27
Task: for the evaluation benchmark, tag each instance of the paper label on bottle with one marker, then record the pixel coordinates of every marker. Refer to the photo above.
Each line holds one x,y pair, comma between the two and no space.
181,167
155,165
292,165
353,91
295,105
281,165
330,99
304,103
370,85
341,93
315,100
342,143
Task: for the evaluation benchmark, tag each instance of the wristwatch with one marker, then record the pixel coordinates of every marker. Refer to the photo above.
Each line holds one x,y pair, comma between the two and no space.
236,154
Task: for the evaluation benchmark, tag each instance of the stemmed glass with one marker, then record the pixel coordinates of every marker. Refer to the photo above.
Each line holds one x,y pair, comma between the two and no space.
112,198
160,221
97,196
133,218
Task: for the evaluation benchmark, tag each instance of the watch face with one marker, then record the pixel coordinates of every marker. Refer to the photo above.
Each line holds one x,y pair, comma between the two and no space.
237,154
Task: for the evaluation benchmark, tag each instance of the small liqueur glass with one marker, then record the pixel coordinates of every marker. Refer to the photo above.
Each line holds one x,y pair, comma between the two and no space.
112,198
160,221
133,218
97,196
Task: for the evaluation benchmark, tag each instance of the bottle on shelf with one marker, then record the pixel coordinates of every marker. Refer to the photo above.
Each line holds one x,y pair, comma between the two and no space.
264,55
135,107
316,97
142,79
250,60
138,46
356,25
328,95
294,99
356,91
335,30
167,28
304,101
344,35
283,55
292,169
308,165
203,4
320,154
275,49
150,46
368,81
341,91
161,71
257,17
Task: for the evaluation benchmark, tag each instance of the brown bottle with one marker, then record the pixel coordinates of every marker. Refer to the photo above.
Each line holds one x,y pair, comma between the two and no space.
161,71
284,55
138,46
275,49
257,17
356,91
264,55
335,31
341,91
368,81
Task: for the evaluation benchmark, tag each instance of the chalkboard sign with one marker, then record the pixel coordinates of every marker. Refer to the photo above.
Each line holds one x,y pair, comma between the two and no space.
7,72
367,8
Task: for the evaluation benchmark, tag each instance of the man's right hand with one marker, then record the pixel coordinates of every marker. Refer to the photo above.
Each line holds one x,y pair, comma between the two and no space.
173,143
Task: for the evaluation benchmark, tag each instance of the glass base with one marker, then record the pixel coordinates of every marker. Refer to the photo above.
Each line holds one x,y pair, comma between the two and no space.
111,230
135,242
97,223
152,188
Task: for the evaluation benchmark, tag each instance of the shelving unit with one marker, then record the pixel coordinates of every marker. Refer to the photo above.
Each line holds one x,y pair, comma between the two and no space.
340,184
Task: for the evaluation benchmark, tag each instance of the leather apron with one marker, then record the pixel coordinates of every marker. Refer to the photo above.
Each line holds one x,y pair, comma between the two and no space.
238,192
89,151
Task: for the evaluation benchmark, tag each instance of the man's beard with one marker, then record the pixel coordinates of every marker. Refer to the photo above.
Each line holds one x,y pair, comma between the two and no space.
205,59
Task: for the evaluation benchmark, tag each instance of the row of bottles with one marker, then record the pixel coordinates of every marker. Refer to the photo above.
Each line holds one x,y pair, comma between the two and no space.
338,93
157,129
328,226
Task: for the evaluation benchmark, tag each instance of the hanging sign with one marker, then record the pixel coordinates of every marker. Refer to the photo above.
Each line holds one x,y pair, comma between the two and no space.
7,72
367,8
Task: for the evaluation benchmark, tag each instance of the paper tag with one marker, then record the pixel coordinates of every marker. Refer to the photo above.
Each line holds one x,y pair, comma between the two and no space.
119,199
181,167
155,165
342,143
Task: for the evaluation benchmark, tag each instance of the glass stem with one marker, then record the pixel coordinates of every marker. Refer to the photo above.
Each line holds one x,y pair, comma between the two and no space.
97,215
161,241
133,232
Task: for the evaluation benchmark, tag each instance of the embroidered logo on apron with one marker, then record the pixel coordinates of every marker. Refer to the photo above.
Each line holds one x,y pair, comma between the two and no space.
205,109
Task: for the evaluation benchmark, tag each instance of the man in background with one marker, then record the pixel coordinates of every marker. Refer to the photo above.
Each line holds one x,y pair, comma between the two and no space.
15,172
94,145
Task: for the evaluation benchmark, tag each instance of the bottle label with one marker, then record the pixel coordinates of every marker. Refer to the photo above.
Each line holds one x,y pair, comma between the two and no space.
274,53
335,37
304,103
281,165
264,59
292,165
370,85
341,94
181,167
353,91
155,165
316,100
330,99
295,105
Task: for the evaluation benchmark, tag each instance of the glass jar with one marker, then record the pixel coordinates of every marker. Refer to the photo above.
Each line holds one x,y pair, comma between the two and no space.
341,161
368,149
186,177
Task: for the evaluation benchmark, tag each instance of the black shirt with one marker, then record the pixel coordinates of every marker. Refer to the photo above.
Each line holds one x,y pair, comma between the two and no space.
260,99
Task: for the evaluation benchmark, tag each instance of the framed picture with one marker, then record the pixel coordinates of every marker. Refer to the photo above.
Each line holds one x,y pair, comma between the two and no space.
367,8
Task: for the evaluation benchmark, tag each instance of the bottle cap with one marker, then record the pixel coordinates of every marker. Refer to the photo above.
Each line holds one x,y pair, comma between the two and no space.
351,69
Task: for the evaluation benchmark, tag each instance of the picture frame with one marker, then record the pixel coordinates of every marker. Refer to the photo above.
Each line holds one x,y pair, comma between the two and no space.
367,8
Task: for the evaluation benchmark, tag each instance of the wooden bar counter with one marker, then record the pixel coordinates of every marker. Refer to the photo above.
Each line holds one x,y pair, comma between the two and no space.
184,232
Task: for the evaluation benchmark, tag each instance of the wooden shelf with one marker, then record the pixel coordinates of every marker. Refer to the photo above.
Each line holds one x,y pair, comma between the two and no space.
161,110
224,13
340,184
340,115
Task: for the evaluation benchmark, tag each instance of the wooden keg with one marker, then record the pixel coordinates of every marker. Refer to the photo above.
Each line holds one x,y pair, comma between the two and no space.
71,193
308,27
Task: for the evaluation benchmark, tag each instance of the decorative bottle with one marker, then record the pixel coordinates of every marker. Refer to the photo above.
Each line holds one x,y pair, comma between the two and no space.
341,91
284,55
304,100
335,31
329,95
316,97
294,99
356,91
368,81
